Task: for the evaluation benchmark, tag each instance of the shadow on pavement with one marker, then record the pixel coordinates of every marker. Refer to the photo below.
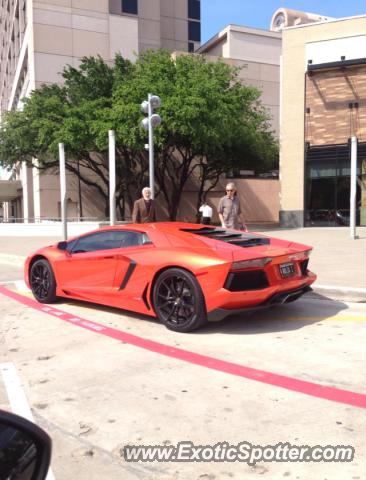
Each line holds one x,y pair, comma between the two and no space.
292,316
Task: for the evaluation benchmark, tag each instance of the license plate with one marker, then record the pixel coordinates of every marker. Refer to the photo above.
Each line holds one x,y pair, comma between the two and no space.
287,270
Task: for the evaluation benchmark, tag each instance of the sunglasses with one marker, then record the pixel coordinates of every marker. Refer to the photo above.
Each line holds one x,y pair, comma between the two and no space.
229,190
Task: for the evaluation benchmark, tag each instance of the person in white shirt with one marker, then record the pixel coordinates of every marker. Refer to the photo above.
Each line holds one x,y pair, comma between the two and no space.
206,213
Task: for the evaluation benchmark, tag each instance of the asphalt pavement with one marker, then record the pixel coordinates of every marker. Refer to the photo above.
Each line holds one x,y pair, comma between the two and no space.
98,379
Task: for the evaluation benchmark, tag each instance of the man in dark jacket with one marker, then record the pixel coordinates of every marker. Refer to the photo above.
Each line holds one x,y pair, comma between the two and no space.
144,208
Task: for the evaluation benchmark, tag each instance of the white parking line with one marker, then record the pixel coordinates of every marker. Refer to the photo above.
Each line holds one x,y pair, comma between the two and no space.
21,286
17,399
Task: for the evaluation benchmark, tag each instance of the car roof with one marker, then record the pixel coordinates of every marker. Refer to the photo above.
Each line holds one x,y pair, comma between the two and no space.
156,226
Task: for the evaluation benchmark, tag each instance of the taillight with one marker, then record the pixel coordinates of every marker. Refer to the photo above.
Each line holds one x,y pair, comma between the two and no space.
256,263
300,255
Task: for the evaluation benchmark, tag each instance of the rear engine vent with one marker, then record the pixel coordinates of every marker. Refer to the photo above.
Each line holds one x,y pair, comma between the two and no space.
251,280
233,237
304,267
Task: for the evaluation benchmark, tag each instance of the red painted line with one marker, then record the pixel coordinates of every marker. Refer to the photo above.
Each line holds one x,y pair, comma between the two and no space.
289,383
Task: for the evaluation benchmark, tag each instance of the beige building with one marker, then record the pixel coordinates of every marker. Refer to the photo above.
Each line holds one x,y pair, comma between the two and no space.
38,38
257,53
319,106
323,105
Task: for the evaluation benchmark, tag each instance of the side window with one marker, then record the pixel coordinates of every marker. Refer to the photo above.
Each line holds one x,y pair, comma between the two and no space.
146,240
109,240
133,239
98,241
71,245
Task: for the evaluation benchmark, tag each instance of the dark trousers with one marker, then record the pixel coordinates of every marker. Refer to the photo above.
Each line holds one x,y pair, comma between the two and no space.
206,220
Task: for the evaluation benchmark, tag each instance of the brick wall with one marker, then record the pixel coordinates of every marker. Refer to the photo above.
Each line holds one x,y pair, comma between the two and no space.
328,117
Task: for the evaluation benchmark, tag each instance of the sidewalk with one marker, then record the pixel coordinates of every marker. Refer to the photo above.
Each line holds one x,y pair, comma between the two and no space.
338,261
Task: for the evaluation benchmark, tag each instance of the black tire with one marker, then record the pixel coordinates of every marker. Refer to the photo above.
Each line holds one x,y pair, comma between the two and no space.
42,282
178,300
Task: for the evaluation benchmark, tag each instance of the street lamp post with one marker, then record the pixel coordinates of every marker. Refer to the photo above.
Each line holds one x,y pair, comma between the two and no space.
149,123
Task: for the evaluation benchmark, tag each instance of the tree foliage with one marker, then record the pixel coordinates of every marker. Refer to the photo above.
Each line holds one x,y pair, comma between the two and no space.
212,123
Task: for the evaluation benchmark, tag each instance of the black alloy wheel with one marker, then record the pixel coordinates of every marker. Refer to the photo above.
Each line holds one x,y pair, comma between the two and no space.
42,281
178,300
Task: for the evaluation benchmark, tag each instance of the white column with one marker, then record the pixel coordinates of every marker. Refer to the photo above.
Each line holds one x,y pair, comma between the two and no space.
352,218
112,177
36,195
25,192
61,148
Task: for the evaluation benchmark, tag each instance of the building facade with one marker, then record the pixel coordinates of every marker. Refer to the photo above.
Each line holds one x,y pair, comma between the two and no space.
39,38
257,53
323,106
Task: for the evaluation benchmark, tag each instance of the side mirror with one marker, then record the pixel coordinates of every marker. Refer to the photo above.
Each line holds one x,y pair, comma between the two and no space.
25,449
62,245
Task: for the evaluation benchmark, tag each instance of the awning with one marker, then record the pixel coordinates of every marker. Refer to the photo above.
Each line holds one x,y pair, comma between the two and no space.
10,190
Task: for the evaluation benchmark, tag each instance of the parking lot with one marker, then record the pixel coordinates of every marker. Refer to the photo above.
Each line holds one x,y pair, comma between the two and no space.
98,379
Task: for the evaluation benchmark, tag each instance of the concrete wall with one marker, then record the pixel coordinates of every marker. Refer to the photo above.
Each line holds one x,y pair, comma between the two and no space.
257,53
48,229
47,196
66,31
255,45
259,199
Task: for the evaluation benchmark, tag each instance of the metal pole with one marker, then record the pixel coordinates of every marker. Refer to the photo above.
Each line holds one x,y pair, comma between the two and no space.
112,177
151,148
80,197
352,219
61,149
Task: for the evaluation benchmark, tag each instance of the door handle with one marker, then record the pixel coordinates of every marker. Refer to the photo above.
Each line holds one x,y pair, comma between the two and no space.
109,257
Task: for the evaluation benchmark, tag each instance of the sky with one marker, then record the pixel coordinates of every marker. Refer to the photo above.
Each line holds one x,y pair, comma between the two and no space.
217,14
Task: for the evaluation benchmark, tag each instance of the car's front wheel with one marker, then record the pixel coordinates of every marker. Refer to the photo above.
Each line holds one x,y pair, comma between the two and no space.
42,281
178,300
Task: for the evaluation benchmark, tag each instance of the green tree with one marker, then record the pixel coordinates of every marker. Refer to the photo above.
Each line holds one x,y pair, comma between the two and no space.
212,123
76,114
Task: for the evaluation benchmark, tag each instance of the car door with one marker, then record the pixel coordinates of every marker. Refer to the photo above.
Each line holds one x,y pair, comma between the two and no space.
89,268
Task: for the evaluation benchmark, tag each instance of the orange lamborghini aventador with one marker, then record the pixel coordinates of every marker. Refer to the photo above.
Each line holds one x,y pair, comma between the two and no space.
182,273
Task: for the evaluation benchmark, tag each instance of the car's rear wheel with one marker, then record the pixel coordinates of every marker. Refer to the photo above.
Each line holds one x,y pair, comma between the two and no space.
178,300
42,281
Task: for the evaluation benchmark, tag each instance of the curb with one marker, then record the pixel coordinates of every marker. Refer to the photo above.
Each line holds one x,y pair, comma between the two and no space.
334,292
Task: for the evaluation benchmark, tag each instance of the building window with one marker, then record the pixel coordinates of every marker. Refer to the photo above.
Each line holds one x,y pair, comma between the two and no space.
194,9
190,47
129,6
194,31
327,185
